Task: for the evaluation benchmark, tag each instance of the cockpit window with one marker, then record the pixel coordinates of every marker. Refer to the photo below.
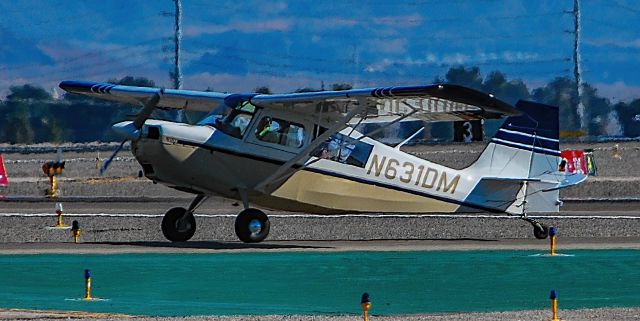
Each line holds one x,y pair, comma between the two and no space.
343,149
231,121
281,132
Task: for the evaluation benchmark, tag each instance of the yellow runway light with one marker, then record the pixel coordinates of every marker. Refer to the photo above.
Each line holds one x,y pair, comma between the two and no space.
554,305
87,285
553,233
75,231
366,305
59,212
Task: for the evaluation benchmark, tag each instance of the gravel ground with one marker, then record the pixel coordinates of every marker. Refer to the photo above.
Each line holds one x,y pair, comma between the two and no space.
312,228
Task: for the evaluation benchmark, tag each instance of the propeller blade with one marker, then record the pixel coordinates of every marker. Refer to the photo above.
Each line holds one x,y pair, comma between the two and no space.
148,108
105,165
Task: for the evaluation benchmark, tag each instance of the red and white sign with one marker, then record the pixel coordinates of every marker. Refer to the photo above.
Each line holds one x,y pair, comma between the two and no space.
4,181
575,161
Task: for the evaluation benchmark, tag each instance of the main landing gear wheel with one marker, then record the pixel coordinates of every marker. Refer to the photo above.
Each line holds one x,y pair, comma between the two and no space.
178,225
540,231
252,225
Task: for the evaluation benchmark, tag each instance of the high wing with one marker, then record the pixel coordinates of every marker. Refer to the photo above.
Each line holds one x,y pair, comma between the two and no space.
429,103
332,109
171,98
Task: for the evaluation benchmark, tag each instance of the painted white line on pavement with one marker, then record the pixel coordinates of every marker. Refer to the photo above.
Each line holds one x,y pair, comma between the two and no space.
332,215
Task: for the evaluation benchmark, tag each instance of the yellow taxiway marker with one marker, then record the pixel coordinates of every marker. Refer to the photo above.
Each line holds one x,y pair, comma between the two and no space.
75,231
554,305
366,305
553,233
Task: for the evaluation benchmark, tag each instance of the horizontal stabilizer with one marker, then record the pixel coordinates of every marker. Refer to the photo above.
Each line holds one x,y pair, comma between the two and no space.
495,192
509,194
569,180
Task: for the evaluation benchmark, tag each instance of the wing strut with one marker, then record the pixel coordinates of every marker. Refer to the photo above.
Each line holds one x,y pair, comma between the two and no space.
265,187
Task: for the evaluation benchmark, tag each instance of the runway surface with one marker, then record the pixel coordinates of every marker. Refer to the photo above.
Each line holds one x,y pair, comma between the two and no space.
302,283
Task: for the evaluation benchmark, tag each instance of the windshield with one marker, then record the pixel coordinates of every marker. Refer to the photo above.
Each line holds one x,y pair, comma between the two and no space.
231,121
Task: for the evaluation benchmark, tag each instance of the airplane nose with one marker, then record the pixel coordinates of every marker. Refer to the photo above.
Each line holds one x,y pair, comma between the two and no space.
126,129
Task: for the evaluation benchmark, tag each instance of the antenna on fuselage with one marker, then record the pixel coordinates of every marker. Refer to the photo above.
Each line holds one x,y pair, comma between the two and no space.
410,138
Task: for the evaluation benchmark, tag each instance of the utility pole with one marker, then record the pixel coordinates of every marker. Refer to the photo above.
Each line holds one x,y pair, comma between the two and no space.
177,74
577,72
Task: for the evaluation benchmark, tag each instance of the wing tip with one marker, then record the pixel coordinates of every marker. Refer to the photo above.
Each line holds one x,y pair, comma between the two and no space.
89,87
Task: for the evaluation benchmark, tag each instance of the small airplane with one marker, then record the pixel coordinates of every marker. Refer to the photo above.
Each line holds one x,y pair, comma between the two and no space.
296,152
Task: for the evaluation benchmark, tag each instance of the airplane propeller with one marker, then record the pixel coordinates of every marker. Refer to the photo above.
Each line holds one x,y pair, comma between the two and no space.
148,108
106,164
141,117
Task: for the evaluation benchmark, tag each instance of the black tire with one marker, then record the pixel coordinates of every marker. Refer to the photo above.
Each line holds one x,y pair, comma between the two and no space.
174,229
540,231
243,220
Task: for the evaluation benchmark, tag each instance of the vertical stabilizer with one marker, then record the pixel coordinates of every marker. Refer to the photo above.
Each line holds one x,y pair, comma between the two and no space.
524,154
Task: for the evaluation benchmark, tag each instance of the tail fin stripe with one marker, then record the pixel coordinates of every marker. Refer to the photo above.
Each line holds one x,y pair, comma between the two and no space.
528,135
529,141
526,147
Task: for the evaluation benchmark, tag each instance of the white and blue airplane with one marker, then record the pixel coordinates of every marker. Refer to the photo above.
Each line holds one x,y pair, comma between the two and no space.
297,152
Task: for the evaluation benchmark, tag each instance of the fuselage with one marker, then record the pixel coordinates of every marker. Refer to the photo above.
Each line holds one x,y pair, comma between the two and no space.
363,175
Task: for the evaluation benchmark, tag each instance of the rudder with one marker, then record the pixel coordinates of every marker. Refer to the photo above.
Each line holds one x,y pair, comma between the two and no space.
526,149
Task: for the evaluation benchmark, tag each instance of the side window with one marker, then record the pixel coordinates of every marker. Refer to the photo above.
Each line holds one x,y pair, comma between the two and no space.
235,120
281,132
241,121
343,149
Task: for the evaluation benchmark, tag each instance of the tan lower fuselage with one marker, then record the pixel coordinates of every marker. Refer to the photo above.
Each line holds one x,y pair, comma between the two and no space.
208,171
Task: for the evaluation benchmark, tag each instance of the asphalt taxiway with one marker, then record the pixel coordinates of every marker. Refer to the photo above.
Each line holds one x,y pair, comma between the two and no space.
603,224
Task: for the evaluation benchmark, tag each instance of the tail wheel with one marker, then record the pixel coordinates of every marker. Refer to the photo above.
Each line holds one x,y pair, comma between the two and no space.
252,225
540,231
177,225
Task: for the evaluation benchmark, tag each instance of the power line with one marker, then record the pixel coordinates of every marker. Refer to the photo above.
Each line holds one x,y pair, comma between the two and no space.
625,7
611,25
265,59
86,55
70,18
319,69
81,68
